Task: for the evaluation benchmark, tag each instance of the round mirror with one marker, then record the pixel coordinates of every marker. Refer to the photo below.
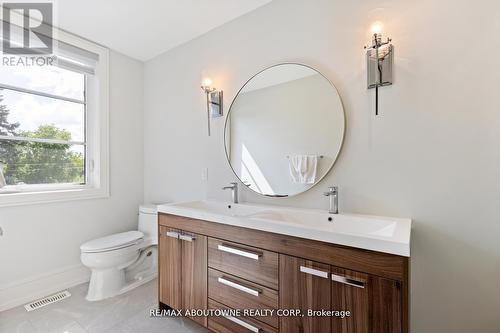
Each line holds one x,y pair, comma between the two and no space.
284,130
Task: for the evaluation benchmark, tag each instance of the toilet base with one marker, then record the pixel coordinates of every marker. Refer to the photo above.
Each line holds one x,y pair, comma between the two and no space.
109,282
105,283
136,283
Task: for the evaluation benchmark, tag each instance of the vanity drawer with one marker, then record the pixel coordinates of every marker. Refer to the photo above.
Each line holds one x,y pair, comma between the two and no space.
241,294
235,325
247,262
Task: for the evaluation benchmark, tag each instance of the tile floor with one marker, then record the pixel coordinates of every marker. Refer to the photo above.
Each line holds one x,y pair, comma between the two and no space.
128,313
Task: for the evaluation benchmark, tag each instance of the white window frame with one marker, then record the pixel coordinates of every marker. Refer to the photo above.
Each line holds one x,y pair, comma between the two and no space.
97,141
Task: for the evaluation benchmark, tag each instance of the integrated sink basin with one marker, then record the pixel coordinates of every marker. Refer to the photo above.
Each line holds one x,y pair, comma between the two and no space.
383,234
215,207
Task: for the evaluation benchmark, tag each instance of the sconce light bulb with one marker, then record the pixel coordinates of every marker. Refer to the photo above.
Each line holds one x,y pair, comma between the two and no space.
377,27
206,82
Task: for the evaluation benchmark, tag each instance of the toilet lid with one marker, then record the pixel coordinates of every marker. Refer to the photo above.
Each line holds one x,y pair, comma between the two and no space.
112,242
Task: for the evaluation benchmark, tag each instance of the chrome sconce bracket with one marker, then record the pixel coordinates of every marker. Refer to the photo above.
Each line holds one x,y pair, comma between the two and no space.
379,63
214,103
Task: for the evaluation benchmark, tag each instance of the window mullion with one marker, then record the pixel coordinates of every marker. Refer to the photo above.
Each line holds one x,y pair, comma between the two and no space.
39,93
40,140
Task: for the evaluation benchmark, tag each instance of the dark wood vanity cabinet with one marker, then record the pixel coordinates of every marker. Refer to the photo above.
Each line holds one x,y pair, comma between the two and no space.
374,303
350,291
183,270
209,265
377,307
304,285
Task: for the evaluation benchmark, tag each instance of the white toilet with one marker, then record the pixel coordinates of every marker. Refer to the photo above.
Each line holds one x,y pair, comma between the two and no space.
123,261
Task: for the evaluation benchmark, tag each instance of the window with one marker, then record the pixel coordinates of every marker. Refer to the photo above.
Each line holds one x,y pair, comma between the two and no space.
42,125
53,126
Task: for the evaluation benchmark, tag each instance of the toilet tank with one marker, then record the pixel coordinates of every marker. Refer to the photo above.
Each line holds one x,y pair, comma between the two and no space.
148,222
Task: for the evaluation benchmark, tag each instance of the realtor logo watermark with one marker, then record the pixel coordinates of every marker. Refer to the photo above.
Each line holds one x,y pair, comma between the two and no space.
27,33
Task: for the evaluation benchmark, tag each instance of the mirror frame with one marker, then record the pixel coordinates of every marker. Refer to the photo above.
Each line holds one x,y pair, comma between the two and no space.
341,141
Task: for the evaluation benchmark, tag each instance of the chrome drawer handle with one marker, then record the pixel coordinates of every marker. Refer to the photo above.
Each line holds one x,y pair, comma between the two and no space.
243,324
172,234
226,282
314,272
243,253
185,237
348,281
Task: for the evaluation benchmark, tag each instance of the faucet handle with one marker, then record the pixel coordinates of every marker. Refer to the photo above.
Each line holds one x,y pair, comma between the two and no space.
331,190
232,185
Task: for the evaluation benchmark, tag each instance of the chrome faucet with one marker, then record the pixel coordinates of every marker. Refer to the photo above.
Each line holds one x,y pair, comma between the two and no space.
234,191
333,194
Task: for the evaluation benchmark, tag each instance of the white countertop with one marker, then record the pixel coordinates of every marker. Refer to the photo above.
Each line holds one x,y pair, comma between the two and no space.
376,233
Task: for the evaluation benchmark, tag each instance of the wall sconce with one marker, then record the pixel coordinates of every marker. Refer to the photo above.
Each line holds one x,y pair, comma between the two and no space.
214,101
379,60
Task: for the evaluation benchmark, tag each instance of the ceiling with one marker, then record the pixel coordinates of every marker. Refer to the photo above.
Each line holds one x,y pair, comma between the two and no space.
145,29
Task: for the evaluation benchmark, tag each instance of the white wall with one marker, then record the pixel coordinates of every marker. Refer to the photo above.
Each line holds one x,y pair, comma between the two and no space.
40,248
432,154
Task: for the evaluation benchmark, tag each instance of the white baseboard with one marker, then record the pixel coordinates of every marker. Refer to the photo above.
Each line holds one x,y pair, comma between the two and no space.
25,291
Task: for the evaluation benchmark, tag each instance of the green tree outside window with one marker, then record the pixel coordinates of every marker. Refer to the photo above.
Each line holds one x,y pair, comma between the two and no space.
34,162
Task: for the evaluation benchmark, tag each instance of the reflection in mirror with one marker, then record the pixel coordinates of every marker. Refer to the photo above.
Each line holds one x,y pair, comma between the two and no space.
284,130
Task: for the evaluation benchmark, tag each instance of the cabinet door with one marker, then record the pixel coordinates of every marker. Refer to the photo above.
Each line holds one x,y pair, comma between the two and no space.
304,285
374,302
350,293
170,269
183,270
194,274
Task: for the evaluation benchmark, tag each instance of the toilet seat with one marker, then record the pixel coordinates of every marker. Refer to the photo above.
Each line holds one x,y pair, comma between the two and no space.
112,242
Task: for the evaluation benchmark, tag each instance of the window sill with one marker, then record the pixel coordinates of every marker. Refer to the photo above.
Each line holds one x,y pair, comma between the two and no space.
38,194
